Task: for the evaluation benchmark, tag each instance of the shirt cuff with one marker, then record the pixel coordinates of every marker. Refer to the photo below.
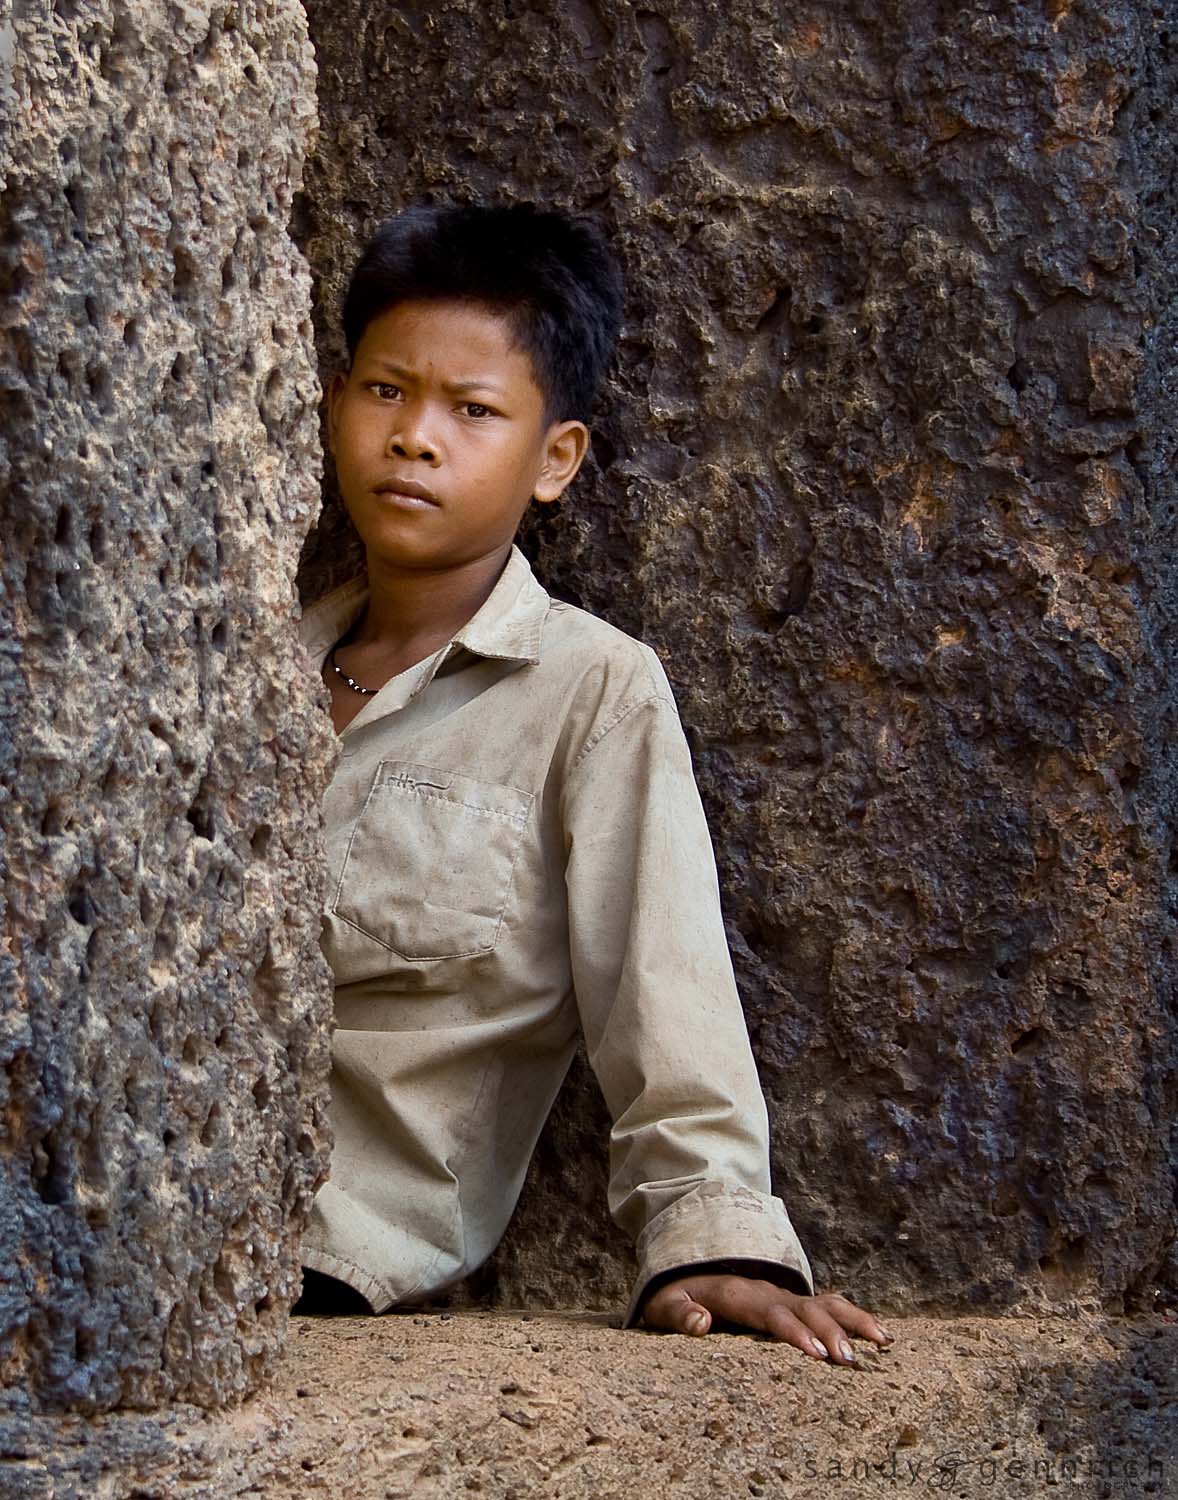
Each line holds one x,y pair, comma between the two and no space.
718,1222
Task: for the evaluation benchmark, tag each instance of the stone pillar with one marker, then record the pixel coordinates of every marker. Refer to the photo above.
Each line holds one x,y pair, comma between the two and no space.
886,478
163,1000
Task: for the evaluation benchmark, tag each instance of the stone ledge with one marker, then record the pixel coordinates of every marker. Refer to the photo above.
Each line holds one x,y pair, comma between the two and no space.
503,1404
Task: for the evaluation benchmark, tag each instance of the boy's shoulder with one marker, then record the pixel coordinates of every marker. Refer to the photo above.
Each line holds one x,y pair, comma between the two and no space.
597,657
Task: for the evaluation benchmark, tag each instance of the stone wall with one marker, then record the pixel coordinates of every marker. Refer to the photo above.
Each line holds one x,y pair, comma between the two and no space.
884,477
163,1000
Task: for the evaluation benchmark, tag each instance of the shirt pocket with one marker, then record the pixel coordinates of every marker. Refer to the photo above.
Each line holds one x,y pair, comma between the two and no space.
429,864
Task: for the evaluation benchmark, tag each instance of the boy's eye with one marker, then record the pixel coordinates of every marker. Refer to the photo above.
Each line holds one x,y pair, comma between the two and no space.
476,409
383,387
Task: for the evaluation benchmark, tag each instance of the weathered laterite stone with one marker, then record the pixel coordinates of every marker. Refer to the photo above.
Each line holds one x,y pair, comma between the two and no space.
886,474
887,477
163,1001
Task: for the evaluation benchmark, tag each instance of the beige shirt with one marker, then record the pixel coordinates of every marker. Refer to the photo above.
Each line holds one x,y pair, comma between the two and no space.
517,849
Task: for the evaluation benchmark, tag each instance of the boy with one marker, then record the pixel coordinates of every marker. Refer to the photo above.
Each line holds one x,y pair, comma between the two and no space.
516,844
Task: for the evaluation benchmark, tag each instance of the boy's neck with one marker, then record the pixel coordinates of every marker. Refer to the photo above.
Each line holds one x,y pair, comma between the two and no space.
411,613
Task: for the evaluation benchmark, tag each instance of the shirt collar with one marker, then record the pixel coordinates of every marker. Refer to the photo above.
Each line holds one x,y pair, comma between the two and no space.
508,625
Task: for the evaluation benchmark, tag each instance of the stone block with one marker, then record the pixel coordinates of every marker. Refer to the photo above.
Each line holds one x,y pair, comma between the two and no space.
164,1005
886,475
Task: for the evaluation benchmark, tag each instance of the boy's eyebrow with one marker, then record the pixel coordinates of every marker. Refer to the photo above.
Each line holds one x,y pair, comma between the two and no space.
455,387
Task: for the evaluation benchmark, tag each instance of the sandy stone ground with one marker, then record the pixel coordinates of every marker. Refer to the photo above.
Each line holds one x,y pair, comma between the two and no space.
501,1404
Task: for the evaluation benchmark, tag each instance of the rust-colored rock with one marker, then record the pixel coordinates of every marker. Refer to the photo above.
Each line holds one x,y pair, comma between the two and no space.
886,479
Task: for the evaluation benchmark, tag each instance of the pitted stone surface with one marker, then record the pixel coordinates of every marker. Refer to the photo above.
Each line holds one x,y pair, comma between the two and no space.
164,1003
884,478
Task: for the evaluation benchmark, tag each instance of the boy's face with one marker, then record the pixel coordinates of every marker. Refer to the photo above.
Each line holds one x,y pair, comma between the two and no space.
439,436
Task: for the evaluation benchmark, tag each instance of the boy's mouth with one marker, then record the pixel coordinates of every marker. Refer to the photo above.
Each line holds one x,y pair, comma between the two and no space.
407,489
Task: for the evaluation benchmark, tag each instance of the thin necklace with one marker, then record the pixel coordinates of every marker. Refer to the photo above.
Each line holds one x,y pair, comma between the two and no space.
351,681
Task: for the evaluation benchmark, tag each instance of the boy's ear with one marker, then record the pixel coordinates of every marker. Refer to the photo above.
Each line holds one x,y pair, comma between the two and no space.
338,381
565,449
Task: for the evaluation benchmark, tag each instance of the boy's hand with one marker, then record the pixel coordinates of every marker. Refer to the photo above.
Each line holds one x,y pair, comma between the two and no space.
818,1326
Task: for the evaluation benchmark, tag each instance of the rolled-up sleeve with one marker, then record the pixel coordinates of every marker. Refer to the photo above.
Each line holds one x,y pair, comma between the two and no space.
663,1024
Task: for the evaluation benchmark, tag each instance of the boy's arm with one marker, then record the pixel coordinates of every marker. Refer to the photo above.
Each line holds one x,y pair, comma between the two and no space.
663,1024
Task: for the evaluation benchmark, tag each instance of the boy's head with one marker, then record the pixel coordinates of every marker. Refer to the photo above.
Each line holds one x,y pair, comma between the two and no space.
476,338
552,278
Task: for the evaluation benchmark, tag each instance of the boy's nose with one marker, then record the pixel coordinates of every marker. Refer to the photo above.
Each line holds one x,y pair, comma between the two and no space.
409,447
408,439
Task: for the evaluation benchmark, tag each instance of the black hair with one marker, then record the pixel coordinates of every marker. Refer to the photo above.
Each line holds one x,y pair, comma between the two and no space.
553,278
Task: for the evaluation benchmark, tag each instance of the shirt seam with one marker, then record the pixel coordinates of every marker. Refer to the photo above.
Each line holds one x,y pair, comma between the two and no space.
611,724
517,820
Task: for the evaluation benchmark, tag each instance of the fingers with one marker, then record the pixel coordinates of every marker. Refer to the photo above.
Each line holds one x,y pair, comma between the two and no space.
820,1327
856,1319
828,1321
736,1299
674,1309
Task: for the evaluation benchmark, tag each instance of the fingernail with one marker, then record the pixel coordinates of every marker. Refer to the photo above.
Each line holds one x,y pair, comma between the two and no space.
846,1351
889,1338
696,1322
821,1347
